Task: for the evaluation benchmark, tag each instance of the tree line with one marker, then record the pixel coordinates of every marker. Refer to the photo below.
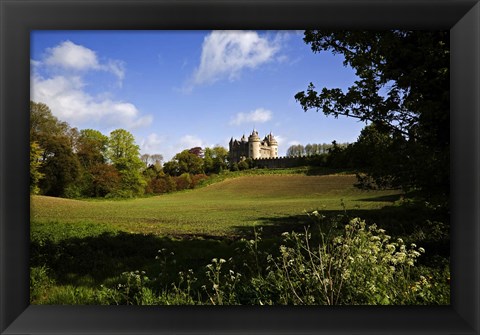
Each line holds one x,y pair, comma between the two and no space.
300,150
67,162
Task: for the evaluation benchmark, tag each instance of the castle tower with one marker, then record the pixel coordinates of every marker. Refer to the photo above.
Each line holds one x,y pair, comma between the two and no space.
254,145
274,146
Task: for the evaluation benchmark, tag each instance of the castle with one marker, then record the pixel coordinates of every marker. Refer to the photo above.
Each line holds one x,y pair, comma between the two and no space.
253,148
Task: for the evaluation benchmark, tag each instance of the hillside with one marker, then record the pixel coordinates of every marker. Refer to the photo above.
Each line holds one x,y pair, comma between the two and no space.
219,209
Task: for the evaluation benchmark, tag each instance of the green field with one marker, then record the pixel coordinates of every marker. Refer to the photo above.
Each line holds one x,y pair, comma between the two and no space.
221,209
81,247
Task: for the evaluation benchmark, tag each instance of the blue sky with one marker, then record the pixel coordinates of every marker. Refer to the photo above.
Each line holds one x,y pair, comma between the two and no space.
174,90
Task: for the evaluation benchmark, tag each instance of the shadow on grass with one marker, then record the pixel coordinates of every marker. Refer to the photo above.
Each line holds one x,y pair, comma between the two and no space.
424,227
383,198
90,261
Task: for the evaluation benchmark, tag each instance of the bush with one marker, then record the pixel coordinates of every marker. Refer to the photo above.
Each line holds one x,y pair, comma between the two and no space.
184,181
243,165
198,179
40,283
361,266
161,184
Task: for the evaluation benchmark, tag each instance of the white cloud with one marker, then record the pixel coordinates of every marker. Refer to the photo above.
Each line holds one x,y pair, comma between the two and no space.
190,141
69,102
153,144
117,68
226,53
260,115
69,55
64,90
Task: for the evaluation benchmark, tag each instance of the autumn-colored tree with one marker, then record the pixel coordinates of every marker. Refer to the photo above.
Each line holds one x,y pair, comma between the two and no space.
105,180
91,147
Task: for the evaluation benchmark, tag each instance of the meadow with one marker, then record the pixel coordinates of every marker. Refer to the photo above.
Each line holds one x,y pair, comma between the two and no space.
161,249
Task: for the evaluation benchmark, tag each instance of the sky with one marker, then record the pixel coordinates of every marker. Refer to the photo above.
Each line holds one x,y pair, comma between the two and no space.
174,90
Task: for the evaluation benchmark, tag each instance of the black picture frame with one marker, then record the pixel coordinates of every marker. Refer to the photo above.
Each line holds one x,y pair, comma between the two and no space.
19,17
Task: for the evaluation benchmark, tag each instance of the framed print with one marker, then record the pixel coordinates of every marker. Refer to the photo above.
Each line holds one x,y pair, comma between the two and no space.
23,49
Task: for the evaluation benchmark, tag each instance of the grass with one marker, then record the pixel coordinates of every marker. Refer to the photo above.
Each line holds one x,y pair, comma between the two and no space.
222,209
79,245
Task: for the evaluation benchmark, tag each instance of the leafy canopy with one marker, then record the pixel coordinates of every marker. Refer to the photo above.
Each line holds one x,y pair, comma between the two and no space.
402,88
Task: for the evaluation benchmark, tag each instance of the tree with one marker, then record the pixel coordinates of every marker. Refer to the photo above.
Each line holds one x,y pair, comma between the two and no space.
60,167
157,160
184,162
296,150
375,157
44,123
91,147
35,165
105,180
51,147
123,150
145,159
125,156
215,159
412,68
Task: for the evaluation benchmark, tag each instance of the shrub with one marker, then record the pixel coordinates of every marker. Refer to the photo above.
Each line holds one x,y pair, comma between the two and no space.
40,283
197,179
361,266
161,184
243,165
221,289
184,181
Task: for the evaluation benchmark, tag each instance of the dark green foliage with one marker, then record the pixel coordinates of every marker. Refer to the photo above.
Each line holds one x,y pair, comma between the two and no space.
55,166
184,162
60,166
336,261
91,148
412,68
43,123
243,165
215,160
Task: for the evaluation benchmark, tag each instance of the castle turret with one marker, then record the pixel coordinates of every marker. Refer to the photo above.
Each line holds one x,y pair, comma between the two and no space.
254,145
274,145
